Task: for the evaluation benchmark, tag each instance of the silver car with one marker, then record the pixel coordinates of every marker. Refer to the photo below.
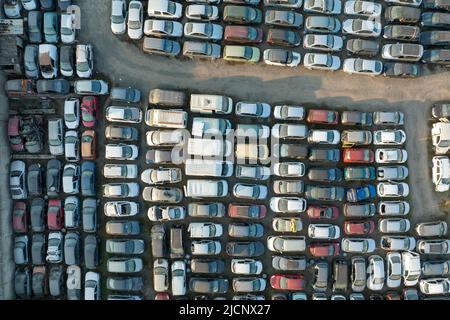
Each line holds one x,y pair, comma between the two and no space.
202,30
321,61
322,42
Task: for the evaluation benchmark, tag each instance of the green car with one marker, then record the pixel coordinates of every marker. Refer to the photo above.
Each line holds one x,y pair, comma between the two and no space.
242,14
359,173
241,54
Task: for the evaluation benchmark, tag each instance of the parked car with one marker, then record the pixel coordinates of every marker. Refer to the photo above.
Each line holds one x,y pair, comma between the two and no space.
401,32
397,243
358,245
202,12
324,193
402,14
322,24
433,246
135,20
245,249
288,281
241,53
282,37
286,244
281,57
203,30
376,273
241,14
363,47
119,16
34,26
362,66
360,27
246,211
362,8
393,189
322,42
283,18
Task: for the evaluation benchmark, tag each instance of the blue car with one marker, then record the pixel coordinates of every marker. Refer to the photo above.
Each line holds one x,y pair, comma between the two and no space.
361,193
88,187
51,27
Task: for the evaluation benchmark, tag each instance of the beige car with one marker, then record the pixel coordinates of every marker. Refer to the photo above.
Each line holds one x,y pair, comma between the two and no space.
252,151
350,138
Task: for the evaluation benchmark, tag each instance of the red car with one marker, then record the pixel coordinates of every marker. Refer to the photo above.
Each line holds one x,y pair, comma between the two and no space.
323,212
89,111
358,155
20,217
324,249
243,34
15,140
55,215
359,227
288,281
322,116
246,211
162,296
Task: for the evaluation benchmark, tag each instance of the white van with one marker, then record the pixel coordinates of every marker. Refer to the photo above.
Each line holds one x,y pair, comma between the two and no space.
206,188
209,147
209,103
176,119
212,168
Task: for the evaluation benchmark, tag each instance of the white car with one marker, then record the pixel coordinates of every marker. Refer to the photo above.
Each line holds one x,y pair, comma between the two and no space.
72,113
323,6
289,112
178,270
203,30
164,9
287,224
123,114
286,244
55,246
434,286
413,3
360,27
411,268
166,213
121,151
397,243
281,57
391,155
376,274
431,229
441,173
71,179
246,266
121,208
289,131
393,208
259,131
121,190
254,172
160,275
119,16
324,136
321,61
289,169
135,20
392,189
12,9
322,42
287,204
358,245
67,30
324,231
250,191
394,225
434,246
85,60
206,247
120,171
391,118
202,12
389,137
163,28
394,269
29,4
205,230
161,175
72,146
392,173
362,8
253,109
281,4
92,286
363,66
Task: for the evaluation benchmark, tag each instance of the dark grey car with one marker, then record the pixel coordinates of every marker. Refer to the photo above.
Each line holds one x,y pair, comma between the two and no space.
38,249
208,285
115,132
55,86
205,50
35,26
436,268
127,94
435,19
292,151
363,47
35,179
72,248
22,283
401,32
88,187
206,210
207,266
37,215
245,230
437,38
245,249
66,62
125,283
125,246
161,46
356,117
402,14
31,61
53,180
91,258
89,215
56,280
158,235
289,263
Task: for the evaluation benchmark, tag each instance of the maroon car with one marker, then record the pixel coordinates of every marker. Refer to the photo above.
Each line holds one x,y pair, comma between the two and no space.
55,215
247,211
325,249
15,140
89,111
322,116
288,281
20,217
359,227
323,212
243,34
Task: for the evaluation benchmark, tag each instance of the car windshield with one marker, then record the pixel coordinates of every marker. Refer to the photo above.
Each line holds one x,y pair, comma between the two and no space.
96,86
134,24
87,115
248,53
117,19
83,67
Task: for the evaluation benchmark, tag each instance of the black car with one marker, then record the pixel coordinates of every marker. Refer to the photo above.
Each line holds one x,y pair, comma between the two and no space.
38,249
402,14
441,110
363,47
293,151
325,174
22,283
245,249
37,215
332,155
114,132
356,118
53,179
158,235
435,19
128,94
57,86
91,258
437,56
401,70
89,214
283,37
34,26
400,32
207,266
436,4
435,38
56,281
66,62
39,281
88,178
125,283
208,285
35,179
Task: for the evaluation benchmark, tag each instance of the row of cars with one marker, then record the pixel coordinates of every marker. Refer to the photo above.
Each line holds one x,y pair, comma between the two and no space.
440,134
